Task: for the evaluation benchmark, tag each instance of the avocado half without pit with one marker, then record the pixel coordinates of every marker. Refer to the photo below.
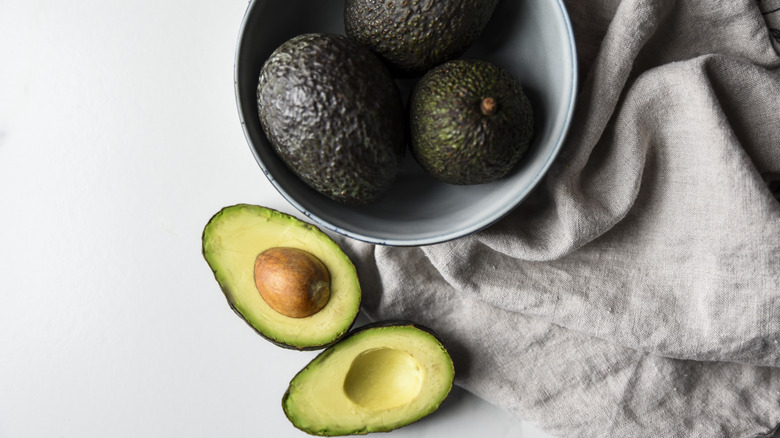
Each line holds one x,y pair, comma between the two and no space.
286,278
378,378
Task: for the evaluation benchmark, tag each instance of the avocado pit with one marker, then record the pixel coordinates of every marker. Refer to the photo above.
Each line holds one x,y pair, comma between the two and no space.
292,281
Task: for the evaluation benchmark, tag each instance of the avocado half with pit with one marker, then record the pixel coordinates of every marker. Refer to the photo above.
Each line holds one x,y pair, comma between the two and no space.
286,278
378,378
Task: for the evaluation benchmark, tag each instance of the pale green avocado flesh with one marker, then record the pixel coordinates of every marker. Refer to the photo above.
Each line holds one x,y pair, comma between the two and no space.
377,379
232,240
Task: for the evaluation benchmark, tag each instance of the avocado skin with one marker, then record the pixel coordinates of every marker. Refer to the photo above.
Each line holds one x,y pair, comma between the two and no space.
356,331
413,36
334,115
228,294
452,139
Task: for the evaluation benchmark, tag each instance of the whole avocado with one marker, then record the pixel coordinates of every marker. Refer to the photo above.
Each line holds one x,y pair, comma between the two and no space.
470,122
413,36
334,115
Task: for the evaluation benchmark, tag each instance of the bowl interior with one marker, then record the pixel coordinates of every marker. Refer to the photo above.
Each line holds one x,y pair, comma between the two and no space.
530,38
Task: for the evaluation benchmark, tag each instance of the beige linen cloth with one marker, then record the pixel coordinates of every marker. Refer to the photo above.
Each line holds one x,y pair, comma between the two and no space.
636,292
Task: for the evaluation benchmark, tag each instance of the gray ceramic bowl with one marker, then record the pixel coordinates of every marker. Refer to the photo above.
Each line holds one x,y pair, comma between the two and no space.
531,38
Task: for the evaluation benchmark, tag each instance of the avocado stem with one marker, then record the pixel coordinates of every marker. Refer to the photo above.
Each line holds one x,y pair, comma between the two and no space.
488,106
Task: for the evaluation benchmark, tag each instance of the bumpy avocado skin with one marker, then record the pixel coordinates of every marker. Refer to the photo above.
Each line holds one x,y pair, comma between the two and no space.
334,115
451,137
413,36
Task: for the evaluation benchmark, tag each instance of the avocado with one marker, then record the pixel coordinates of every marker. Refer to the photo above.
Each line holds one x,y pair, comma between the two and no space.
413,36
470,122
334,115
242,243
378,378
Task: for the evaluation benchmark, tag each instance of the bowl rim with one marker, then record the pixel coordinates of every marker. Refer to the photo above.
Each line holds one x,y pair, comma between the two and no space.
439,238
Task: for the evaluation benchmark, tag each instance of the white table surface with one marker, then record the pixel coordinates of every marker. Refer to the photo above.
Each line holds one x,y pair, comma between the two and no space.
119,138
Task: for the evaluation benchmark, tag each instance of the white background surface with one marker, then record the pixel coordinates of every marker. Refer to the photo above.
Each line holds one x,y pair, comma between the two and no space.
119,138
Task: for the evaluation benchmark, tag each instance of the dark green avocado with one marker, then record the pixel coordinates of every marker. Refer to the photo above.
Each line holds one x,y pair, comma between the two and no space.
334,115
413,36
470,122
380,377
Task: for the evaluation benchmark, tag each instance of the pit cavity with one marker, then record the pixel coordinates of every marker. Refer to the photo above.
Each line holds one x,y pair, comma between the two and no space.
383,378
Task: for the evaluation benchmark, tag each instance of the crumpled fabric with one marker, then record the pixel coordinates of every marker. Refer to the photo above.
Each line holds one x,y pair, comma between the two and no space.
636,292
